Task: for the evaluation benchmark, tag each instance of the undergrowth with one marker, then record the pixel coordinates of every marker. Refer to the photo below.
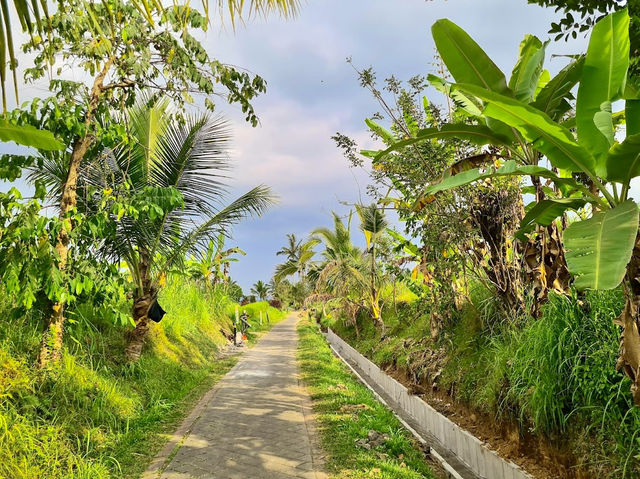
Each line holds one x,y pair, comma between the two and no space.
554,376
96,416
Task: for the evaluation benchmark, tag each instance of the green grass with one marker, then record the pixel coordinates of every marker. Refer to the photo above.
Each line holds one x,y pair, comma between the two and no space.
97,416
554,377
346,411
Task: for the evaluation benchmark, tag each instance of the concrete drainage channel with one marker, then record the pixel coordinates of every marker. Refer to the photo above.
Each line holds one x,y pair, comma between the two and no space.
461,454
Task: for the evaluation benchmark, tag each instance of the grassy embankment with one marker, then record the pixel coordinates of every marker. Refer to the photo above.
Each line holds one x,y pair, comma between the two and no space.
98,417
553,377
346,411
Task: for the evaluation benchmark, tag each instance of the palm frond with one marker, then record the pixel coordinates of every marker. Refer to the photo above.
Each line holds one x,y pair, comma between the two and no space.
253,203
285,270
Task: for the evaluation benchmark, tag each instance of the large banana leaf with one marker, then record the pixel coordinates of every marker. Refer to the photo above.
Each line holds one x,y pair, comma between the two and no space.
603,80
599,249
623,162
551,139
509,168
465,59
477,134
526,72
554,98
29,136
546,211
632,116
461,100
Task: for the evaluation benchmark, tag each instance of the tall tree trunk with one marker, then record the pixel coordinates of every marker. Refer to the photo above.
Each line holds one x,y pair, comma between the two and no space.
145,295
51,345
497,215
629,358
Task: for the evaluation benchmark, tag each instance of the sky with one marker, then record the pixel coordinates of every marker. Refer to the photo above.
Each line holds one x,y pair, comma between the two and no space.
313,93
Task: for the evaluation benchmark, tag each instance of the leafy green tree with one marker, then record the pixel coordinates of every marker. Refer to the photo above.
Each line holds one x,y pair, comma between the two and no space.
261,290
182,164
234,290
124,49
453,227
34,17
589,168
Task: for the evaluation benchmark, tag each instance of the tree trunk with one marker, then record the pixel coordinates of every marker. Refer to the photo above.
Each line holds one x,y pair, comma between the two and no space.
136,338
146,294
544,261
497,215
51,345
629,358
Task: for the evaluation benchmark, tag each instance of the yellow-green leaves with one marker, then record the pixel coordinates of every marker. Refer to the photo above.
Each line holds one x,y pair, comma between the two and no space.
29,136
599,249
550,138
526,72
465,60
603,81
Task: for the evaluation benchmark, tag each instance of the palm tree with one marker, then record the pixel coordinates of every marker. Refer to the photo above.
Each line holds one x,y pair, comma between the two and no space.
261,290
297,264
292,250
347,274
165,156
373,224
213,263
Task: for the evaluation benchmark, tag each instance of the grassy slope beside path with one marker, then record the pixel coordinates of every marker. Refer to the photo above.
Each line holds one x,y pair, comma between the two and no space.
98,417
346,411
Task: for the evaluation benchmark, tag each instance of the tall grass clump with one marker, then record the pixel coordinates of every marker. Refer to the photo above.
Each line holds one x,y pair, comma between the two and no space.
552,376
562,383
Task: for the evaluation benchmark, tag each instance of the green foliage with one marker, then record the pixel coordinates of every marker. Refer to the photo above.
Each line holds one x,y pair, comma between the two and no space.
142,48
602,81
465,59
28,136
29,261
553,375
98,417
599,249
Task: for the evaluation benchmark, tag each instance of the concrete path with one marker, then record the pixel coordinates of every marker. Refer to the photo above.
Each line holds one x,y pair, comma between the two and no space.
256,422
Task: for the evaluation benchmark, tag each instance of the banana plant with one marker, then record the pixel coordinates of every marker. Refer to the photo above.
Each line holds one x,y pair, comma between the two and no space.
591,167
543,254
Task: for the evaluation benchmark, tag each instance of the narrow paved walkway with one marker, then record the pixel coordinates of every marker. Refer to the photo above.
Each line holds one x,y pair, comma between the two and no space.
256,423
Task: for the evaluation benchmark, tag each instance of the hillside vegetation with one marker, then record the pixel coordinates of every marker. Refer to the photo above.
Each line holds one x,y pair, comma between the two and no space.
99,416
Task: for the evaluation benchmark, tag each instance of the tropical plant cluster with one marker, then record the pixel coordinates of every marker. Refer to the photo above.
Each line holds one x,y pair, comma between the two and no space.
516,200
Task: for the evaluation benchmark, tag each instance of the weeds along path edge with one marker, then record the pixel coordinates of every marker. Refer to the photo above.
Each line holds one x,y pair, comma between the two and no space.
345,413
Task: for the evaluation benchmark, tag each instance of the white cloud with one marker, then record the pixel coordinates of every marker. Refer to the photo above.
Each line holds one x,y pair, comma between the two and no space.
294,154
